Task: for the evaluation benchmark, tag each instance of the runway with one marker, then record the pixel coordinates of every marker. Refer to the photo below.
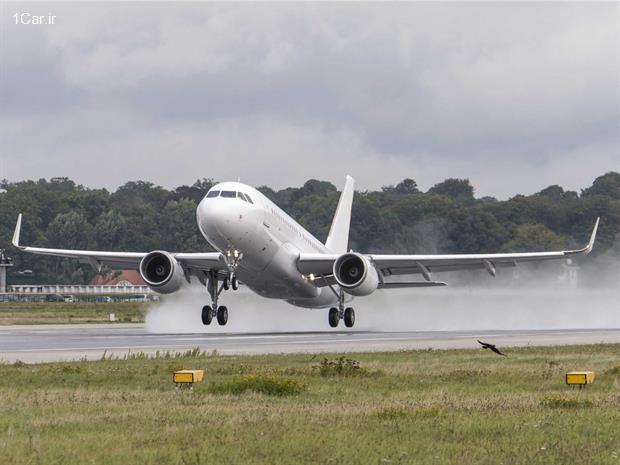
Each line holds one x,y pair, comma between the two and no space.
48,343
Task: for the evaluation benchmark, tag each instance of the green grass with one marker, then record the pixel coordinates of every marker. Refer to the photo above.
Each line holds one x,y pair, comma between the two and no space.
22,313
263,384
417,407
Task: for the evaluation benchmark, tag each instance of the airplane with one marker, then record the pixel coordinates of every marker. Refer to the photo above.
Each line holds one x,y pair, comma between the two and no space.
261,246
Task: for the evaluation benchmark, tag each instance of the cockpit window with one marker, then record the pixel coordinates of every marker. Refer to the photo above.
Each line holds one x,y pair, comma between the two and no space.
248,198
213,193
242,196
230,194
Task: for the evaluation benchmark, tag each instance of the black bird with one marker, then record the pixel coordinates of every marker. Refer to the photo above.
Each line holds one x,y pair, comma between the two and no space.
486,345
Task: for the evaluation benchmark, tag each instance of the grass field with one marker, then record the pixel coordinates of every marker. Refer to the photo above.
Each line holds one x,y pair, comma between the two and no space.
23,313
421,407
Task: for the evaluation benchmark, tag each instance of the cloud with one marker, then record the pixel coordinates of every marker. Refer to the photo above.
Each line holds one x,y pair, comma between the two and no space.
514,96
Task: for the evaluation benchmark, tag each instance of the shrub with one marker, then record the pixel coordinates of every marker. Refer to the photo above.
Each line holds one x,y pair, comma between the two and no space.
557,401
613,371
269,385
69,368
399,413
428,412
393,413
464,375
232,369
342,366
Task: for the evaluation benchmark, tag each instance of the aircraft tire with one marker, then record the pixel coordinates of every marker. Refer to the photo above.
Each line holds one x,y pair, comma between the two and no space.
207,315
222,315
226,284
349,317
234,283
333,317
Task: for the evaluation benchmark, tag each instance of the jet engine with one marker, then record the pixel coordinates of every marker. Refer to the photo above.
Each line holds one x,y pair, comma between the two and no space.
355,274
161,272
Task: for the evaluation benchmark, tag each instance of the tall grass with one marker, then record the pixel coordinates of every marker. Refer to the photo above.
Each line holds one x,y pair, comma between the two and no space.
423,407
269,385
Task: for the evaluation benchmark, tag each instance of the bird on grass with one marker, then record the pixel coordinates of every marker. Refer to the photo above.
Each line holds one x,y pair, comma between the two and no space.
486,345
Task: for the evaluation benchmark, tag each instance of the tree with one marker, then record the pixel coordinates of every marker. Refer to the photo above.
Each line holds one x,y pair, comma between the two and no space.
204,184
554,192
61,184
140,192
178,228
196,191
110,230
406,186
534,238
608,185
314,186
70,231
458,189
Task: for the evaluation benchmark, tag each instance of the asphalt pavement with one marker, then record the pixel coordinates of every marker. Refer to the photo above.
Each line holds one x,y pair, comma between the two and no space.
46,343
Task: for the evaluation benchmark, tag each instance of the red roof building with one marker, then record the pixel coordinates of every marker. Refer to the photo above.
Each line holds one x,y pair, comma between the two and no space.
119,278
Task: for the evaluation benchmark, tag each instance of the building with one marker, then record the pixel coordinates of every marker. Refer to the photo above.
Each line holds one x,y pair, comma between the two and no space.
119,278
114,282
5,262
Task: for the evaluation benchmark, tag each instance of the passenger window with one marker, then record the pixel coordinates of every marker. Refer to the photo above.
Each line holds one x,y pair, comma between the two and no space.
213,193
229,194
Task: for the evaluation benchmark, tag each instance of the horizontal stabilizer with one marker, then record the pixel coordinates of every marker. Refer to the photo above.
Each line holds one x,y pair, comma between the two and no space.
402,285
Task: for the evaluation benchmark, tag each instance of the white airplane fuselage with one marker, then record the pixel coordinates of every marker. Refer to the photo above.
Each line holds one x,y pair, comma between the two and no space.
268,240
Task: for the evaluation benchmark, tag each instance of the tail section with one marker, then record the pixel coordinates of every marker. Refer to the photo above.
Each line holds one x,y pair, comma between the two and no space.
338,237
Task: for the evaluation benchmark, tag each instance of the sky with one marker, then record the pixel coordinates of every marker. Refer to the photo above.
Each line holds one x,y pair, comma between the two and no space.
513,96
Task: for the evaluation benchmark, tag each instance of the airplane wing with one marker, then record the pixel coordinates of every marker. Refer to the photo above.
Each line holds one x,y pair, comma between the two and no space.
426,265
192,262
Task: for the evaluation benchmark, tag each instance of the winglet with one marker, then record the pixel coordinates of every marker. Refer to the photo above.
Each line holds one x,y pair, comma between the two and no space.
18,228
592,236
588,248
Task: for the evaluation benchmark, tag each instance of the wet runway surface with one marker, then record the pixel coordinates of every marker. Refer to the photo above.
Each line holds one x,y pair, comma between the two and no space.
44,343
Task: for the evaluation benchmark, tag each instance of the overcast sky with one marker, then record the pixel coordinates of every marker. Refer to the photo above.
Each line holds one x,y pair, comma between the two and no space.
513,96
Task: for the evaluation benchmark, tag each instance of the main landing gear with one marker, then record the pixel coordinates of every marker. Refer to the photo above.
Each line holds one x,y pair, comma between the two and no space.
213,311
341,313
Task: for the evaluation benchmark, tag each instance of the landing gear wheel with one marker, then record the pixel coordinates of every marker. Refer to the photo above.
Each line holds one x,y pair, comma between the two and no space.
333,317
234,283
207,315
222,315
349,317
226,284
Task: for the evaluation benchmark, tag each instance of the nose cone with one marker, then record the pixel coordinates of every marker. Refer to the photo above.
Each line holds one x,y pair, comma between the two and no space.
224,221
215,216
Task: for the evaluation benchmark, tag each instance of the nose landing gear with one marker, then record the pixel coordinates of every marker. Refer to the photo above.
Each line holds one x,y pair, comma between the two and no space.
340,313
232,282
220,313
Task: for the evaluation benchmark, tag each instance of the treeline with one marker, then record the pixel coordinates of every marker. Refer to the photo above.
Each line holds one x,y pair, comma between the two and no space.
448,218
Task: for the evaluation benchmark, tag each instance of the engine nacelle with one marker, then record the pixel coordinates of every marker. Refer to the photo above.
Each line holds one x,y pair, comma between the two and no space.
161,272
355,274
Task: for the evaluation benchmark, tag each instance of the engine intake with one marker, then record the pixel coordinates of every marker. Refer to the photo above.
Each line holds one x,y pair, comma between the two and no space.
355,274
161,272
